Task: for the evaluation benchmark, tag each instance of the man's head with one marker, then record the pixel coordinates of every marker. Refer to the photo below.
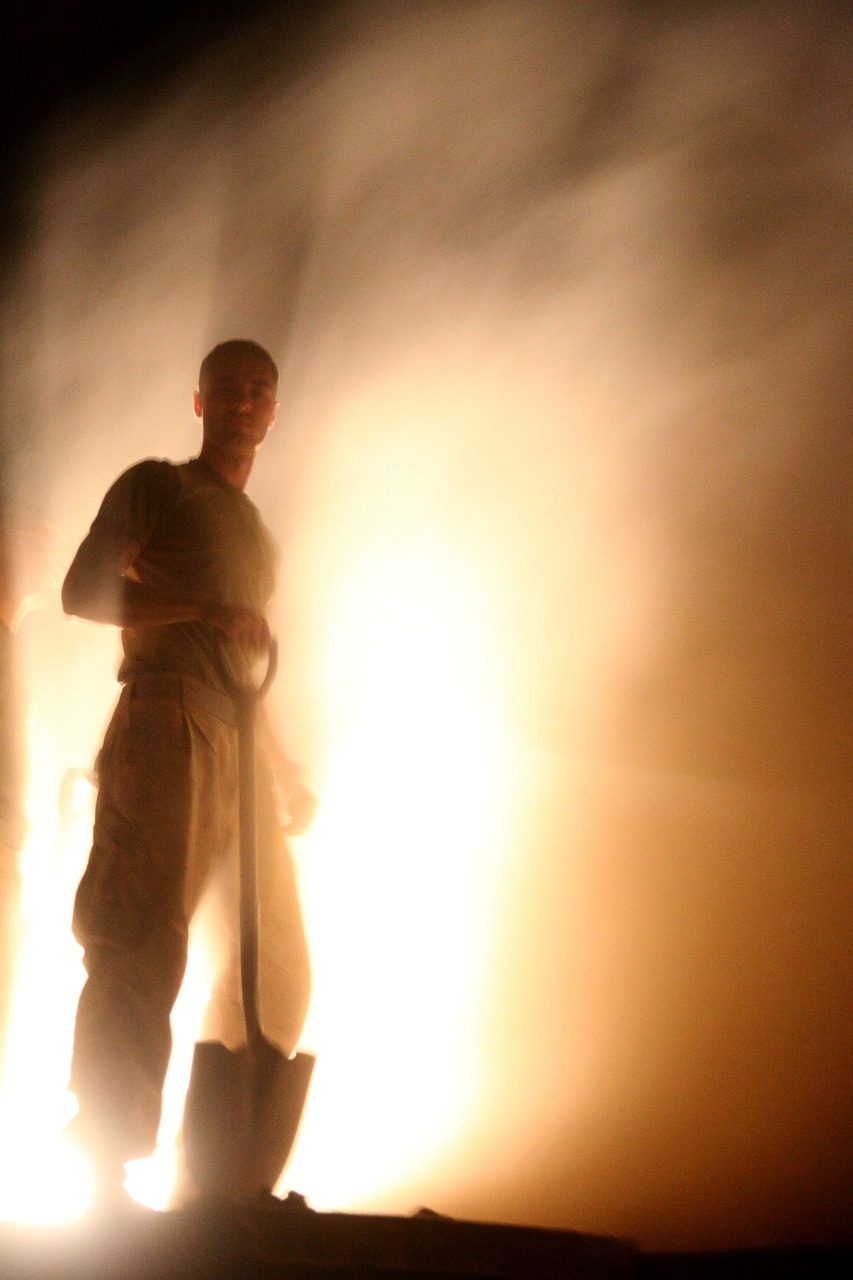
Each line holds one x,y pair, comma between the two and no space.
236,401
237,347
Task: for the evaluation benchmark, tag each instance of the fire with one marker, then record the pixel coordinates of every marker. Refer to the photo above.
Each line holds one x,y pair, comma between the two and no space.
42,1179
396,878
395,881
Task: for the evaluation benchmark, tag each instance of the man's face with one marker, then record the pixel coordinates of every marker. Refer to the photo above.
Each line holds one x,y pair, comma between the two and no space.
236,403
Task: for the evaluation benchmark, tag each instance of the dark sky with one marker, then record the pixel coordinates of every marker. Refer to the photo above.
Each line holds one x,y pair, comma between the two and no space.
55,51
57,56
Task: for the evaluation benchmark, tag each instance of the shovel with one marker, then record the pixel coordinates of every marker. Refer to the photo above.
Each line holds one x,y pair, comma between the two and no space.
243,1107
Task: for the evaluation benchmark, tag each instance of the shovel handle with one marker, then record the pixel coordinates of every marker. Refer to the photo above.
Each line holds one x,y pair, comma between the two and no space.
247,692
255,693
269,674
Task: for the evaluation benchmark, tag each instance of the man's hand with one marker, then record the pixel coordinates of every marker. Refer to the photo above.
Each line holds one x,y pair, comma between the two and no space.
246,627
300,804
301,807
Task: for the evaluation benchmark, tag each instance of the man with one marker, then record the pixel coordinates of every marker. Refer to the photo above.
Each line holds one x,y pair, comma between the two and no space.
179,559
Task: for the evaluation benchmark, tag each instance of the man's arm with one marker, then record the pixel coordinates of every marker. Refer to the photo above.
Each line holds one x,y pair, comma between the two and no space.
97,586
100,586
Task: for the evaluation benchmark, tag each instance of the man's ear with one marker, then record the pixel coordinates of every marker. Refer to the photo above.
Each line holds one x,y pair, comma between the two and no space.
276,408
197,403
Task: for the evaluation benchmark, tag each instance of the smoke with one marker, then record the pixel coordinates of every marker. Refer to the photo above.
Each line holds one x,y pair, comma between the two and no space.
566,288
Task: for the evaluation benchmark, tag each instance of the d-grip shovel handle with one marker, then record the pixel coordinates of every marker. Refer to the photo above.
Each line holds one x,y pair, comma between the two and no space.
252,693
269,674
247,692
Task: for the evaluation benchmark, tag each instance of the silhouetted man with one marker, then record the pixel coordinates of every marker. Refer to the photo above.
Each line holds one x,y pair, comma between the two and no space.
179,558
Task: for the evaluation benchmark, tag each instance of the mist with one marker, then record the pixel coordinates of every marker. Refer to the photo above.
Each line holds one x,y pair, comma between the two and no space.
561,298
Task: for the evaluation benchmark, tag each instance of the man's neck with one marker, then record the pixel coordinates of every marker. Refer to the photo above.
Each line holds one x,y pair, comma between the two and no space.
233,470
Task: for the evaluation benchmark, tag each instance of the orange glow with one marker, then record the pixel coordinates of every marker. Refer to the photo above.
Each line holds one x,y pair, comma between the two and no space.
395,875
562,477
42,1179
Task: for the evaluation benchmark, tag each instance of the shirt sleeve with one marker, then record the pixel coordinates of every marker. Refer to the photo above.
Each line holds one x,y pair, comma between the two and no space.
137,501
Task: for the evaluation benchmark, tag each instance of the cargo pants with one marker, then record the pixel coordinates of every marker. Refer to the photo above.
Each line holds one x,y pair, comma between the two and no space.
165,837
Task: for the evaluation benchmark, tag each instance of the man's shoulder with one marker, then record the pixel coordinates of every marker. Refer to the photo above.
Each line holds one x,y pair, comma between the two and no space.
148,471
159,476
154,467
140,492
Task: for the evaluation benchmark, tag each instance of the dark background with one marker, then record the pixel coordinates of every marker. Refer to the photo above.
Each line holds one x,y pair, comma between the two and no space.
57,56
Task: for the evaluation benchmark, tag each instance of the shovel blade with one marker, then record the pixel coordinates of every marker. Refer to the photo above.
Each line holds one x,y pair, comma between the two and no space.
241,1116
279,1094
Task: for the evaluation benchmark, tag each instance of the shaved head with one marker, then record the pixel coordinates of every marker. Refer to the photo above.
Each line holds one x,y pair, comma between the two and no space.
236,347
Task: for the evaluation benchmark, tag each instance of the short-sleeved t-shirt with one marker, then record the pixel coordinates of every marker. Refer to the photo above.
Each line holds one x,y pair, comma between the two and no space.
195,531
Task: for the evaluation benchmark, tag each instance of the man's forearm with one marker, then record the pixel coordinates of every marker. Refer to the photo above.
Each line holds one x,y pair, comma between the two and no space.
121,602
101,585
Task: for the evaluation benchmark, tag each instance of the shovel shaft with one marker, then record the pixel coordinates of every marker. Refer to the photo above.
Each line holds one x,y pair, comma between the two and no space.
249,910
246,702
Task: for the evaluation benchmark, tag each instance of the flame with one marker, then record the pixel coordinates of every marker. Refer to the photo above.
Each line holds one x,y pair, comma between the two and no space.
42,1178
395,881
